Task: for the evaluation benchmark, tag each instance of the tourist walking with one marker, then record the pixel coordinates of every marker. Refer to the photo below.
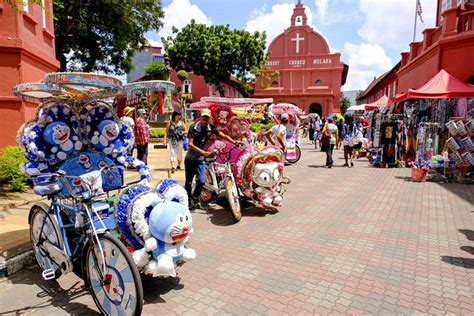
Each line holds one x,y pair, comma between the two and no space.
329,139
348,132
339,125
318,124
175,131
142,136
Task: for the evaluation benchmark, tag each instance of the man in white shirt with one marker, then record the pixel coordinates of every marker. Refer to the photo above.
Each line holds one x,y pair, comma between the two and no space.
277,134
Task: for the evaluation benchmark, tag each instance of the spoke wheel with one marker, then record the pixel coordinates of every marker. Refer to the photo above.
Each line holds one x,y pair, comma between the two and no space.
207,196
232,195
119,291
51,234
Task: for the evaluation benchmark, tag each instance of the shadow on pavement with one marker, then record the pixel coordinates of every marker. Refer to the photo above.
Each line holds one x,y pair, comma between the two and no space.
221,215
51,294
154,288
467,263
468,233
459,261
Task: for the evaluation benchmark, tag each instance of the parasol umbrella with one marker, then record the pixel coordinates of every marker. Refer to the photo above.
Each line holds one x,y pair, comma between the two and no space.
357,108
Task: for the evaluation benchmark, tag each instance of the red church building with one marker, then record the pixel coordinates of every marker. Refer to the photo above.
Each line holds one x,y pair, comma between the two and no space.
301,70
27,52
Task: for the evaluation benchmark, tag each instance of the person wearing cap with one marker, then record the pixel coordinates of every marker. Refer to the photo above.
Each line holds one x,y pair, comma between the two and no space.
142,136
127,118
194,162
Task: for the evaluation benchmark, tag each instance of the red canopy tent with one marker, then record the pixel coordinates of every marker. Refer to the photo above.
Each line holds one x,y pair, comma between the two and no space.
441,86
383,101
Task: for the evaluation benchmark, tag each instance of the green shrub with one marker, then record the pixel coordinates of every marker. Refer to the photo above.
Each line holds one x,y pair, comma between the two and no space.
158,71
157,132
10,160
182,75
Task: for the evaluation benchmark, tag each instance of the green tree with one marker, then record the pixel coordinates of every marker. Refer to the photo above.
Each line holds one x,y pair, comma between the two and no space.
157,71
103,35
216,52
345,104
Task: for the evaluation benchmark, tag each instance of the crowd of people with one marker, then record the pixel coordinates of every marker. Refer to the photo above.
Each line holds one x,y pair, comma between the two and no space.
325,134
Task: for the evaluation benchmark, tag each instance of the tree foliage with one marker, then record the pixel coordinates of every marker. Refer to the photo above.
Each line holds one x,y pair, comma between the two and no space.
103,35
216,52
345,104
157,71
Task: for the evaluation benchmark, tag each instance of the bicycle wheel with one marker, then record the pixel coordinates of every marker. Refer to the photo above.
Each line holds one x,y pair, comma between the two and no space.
232,195
207,196
121,291
298,155
50,234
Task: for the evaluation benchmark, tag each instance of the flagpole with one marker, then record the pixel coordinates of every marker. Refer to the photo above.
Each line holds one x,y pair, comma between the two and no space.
414,27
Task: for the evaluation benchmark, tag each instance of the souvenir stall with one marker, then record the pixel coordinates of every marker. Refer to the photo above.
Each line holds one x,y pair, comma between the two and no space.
438,128
384,133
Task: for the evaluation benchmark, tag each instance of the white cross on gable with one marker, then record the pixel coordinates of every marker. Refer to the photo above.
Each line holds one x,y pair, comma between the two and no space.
297,39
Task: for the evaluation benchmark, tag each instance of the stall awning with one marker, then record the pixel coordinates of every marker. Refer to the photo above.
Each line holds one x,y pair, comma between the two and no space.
356,108
383,101
441,86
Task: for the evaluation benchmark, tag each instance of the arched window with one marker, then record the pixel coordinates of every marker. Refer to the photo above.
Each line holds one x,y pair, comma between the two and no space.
318,82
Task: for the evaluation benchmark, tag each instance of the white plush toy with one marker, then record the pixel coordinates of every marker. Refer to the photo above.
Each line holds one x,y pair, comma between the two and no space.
267,177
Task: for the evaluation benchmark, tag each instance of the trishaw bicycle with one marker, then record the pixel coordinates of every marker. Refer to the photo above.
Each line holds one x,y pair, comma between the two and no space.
73,236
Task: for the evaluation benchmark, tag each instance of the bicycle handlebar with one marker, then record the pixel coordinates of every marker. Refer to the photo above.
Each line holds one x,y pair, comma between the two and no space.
62,174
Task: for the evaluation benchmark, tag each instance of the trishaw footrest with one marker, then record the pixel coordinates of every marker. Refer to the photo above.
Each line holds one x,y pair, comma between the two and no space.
48,274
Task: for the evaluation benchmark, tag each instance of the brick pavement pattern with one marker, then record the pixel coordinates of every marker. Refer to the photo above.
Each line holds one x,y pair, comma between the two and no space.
346,241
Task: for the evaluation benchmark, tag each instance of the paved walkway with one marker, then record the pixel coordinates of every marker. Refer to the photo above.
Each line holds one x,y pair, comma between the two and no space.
358,241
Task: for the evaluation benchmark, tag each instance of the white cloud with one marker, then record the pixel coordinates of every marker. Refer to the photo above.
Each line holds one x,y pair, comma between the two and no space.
275,20
178,14
365,62
390,22
322,6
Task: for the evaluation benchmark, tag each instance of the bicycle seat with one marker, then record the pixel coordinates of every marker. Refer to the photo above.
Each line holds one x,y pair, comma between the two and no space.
47,189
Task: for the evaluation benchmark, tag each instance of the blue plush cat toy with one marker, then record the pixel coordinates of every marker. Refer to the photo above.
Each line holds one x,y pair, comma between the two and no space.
170,226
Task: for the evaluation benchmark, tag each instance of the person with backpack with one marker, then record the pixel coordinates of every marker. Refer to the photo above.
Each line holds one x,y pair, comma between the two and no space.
349,131
329,139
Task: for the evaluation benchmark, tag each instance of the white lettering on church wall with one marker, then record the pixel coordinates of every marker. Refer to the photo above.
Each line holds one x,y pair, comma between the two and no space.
322,61
297,63
272,63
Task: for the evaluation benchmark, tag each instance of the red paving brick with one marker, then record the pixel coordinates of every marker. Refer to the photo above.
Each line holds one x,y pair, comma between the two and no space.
347,241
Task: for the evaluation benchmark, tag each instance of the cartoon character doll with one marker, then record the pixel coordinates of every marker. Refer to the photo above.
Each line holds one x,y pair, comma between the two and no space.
58,134
106,133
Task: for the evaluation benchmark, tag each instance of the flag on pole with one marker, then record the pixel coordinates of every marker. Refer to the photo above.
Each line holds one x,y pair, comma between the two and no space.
419,10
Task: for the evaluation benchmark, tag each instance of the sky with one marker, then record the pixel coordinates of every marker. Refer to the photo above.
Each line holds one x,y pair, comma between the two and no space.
369,34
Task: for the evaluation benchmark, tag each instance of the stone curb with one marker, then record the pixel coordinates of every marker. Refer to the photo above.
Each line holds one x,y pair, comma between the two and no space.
17,263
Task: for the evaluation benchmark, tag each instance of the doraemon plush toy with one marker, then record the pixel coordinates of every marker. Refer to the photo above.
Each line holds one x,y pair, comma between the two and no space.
106,133
170,225
58,134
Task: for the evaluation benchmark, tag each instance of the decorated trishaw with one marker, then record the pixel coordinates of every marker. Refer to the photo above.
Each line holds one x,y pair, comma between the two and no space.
95,226
293,149
257,173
